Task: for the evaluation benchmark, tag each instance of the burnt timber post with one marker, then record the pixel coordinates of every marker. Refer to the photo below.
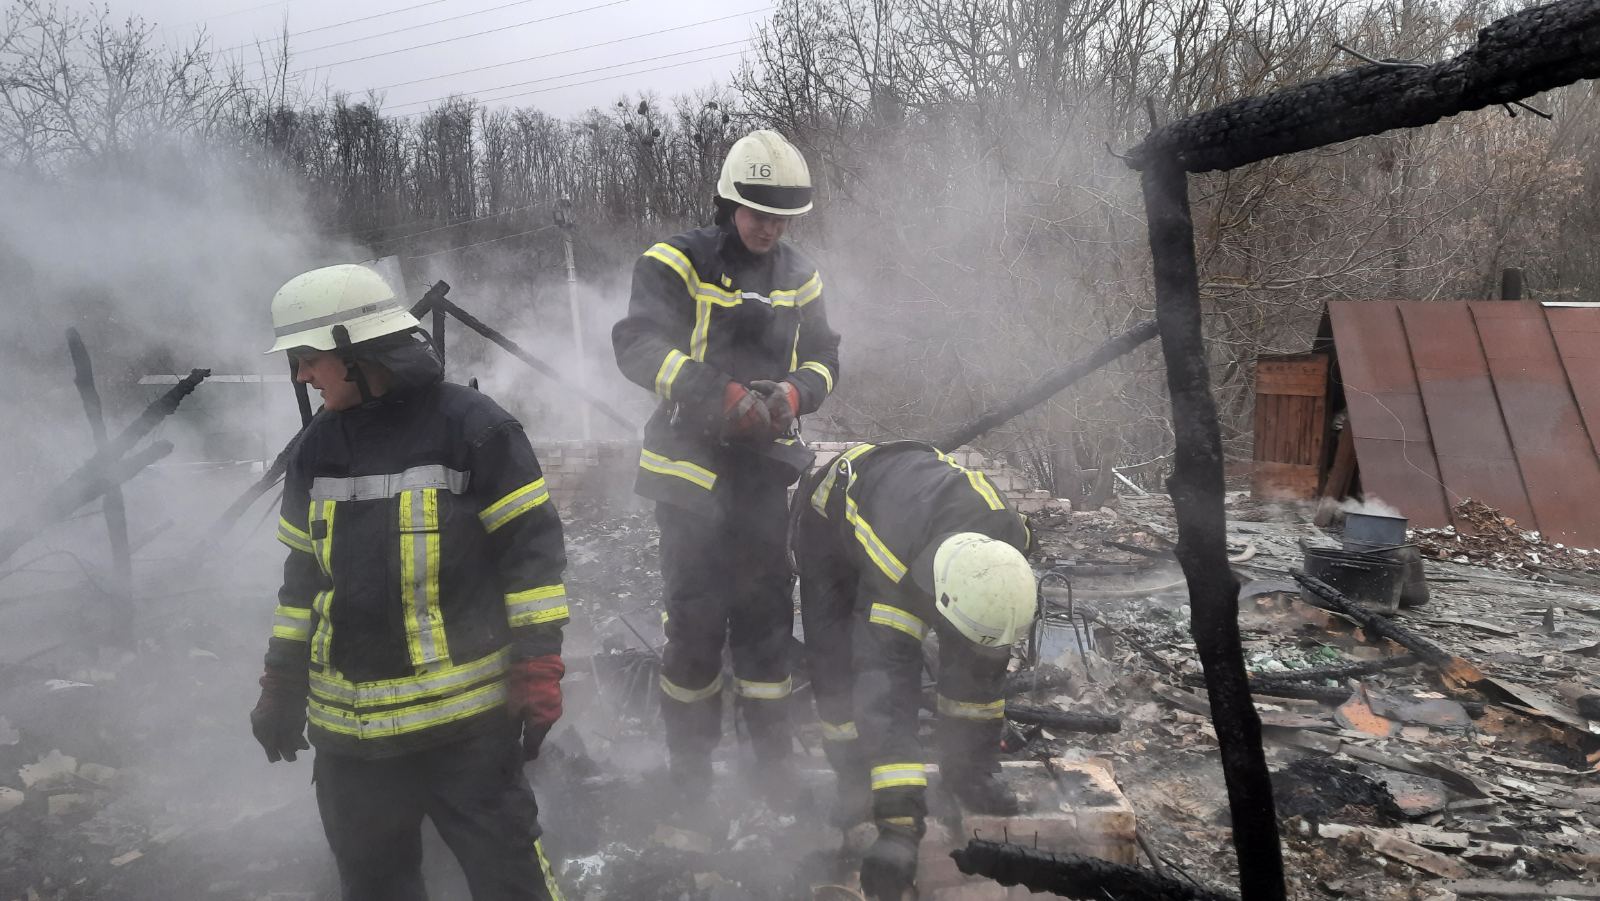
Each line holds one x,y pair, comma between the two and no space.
115,509
1196,487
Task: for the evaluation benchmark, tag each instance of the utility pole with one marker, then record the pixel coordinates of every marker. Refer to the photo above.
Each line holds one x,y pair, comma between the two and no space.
566,222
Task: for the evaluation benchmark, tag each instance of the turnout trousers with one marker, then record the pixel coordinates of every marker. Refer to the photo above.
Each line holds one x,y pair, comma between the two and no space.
475,793
864,652
727,583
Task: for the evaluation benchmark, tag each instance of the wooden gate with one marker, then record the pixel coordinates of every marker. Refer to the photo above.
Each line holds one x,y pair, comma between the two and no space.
1291,425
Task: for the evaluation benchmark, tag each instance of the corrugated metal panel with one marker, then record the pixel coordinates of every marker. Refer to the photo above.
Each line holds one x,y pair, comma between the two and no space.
1498,401
1557,459
1577,334
1393,444
1464,421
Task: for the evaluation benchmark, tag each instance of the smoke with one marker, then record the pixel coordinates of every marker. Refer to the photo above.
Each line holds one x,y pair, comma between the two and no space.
1372,506
163,265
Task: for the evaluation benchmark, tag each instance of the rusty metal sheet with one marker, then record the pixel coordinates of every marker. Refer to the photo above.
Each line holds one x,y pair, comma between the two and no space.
1554,452
1577,334
1469,434
1393,444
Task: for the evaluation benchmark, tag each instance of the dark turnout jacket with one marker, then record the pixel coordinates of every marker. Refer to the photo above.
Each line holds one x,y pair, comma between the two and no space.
704,311
424,556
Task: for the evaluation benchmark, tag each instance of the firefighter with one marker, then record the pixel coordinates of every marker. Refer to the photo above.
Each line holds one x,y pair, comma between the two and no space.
895,541
726,325
419,622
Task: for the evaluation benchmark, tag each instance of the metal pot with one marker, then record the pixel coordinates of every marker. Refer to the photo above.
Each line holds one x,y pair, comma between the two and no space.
1367,531
1369,579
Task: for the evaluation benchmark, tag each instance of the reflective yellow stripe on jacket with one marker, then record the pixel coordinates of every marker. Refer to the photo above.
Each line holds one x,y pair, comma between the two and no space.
296,538
667,375
547,604
513,505
332,689
322,549
390,707
293,623
899,620
980,483
683,469
399,721
419,577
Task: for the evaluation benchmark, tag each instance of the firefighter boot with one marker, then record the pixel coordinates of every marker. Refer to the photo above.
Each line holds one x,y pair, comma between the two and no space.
852,802
982,791
693,729
773,742
969,766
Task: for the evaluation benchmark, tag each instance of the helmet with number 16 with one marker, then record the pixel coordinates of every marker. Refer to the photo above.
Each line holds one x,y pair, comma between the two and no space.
765,172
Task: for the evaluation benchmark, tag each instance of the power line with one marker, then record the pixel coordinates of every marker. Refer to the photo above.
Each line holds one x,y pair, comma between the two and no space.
632,62
384,34
237,12
594,80
463,37
531,231
529,59
295,34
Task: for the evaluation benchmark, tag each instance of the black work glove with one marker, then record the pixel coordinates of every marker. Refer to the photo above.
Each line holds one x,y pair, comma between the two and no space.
279,717
889,868
783,404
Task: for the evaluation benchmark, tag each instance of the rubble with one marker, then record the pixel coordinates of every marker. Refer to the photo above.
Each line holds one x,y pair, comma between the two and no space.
1495,780
1493,540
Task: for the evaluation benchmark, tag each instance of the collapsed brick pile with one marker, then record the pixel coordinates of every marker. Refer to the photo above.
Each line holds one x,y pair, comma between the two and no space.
1495,541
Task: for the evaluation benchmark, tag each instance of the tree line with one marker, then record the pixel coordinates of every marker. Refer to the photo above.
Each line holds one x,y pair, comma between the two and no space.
974,223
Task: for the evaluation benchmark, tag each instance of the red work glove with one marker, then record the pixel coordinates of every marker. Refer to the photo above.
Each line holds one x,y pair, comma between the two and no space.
744,413
783,404
533,696
279,717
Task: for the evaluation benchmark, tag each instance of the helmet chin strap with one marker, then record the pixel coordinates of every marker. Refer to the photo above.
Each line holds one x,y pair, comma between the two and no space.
353,373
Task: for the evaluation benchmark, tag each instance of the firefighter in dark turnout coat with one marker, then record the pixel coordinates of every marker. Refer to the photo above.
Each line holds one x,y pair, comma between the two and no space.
895,541
419,623
726,325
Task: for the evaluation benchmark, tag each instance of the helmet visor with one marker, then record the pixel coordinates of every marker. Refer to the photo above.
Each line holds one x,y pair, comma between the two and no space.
774,196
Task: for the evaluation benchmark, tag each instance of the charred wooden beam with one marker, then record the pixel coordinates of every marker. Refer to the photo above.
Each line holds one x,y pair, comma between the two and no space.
158,410
1057,720
230,516
1196,487
1454,668
1534,50
1049,385
437,303
1073,875
84,485
116,512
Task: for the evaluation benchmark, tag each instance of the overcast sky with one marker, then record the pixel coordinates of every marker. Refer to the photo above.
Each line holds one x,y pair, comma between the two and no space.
328,42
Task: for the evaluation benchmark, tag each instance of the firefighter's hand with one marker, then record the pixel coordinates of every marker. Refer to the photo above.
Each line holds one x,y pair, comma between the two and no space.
889,868
533,689
783,404
279,718
744,413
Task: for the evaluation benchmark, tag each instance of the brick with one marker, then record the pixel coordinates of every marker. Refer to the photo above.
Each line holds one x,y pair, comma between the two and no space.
1080,810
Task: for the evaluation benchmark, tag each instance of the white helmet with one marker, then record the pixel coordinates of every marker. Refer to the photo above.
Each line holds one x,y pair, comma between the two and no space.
984,588
308,306
765,172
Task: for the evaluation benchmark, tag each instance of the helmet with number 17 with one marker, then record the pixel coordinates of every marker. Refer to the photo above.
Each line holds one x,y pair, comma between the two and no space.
765,172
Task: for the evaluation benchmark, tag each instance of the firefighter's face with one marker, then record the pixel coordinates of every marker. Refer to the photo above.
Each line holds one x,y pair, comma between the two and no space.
325,371
759,231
